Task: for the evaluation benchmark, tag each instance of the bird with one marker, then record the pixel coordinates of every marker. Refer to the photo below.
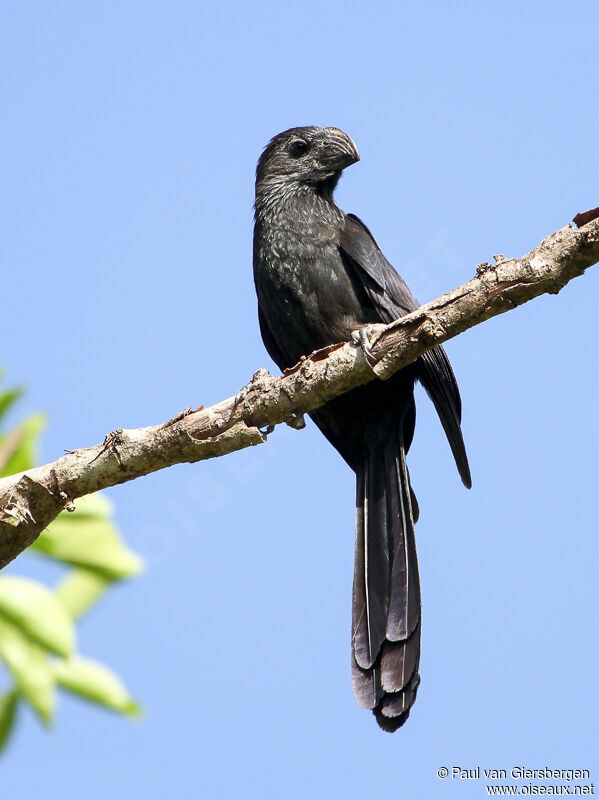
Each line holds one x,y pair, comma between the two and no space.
322,279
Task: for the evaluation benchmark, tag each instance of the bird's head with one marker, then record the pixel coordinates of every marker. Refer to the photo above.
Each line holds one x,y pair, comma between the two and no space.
306,156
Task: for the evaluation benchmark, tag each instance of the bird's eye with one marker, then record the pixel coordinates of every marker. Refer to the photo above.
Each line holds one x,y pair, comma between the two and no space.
298,147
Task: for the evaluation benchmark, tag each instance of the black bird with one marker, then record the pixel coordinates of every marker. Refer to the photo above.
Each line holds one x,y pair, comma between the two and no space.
320,278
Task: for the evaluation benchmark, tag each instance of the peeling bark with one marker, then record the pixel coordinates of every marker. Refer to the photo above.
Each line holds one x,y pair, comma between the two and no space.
30,501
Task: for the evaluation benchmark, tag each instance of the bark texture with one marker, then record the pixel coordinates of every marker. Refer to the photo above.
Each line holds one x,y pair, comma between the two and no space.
30,501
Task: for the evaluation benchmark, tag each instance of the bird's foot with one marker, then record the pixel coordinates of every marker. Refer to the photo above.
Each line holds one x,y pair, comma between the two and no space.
261,381
296,421
363,338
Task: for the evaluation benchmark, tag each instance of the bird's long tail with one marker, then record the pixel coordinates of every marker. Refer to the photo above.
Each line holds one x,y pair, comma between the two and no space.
386,593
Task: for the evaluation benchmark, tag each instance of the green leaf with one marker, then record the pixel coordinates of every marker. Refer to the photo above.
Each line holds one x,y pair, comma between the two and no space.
24,456
95,682
38,613
86,538
7,400
31,670
80,590
8,710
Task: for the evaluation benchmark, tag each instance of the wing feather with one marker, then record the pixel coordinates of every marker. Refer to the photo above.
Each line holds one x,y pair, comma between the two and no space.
391,298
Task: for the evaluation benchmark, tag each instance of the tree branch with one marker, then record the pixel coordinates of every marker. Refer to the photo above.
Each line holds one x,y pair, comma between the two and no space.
30,501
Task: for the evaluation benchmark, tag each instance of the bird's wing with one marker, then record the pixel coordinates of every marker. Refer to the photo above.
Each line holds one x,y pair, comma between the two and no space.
436,375
388,291
391,299
360,245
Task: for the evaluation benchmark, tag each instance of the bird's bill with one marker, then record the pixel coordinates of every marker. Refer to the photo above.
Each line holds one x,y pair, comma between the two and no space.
338,150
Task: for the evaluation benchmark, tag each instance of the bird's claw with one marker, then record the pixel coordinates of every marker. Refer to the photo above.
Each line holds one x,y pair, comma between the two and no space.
260,382
361,338
296,421
240,396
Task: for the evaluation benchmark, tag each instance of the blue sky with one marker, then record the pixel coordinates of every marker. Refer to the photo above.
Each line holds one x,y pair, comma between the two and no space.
130,134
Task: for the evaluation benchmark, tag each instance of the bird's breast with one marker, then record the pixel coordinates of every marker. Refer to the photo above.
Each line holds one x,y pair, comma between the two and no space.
305,292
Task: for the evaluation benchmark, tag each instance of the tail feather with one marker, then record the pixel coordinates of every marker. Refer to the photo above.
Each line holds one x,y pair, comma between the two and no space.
371,567
367,685
399,662
404,601
386,597
394,709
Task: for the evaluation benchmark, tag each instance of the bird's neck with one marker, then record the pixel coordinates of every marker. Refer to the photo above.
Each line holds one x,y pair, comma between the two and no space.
278,199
